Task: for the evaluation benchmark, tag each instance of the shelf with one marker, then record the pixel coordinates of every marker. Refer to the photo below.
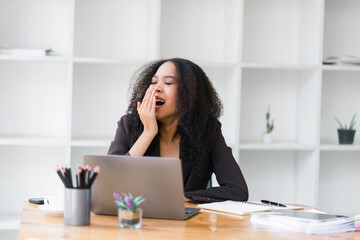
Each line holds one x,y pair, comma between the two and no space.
33,98
38,59
277,146
131,62
37,24
293,100
217,64
10,222
286,34
90,142
340,98
105,89
341,28
116,29
188,32
341,67
338,147
125,62
32,141
250,65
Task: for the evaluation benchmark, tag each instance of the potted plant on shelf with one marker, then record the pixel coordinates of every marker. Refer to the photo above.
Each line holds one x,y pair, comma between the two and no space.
129,213
266,136
346,134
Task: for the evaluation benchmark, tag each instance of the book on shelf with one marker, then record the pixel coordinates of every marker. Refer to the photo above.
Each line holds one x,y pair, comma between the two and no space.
342,60
28,52
312,222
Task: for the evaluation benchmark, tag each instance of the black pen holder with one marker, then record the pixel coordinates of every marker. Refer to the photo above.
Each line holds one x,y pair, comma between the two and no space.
77,206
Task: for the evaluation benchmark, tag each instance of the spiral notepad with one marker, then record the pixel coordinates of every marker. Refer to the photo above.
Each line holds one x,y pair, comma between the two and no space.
236,207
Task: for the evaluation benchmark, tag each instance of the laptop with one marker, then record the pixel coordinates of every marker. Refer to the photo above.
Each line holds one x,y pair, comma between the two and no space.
157,179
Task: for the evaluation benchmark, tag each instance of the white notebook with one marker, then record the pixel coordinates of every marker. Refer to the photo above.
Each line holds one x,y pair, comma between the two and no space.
236,207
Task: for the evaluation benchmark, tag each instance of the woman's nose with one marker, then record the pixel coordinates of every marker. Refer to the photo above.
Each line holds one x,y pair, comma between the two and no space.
158,88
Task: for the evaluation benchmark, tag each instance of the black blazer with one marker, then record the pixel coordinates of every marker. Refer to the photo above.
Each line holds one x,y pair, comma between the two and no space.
217,158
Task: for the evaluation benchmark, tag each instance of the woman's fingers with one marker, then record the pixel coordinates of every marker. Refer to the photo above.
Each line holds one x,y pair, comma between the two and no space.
138,106
151,103
146,98
147,106
146,111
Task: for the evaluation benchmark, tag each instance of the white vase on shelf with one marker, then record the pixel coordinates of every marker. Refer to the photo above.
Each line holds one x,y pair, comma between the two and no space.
266,137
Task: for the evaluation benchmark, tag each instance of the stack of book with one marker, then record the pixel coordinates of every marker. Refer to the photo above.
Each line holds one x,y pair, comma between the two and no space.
342,60
308,222
26,52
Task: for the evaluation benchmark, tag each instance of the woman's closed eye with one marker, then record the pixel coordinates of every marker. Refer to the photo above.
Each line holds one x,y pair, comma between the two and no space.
167,83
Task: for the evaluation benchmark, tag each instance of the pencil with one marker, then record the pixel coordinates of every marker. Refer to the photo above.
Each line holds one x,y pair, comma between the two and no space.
60,175
88,177
93,176
80,178
77,180
65,178
69,175
84,170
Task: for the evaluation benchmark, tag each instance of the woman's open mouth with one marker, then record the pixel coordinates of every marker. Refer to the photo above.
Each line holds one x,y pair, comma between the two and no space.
159,102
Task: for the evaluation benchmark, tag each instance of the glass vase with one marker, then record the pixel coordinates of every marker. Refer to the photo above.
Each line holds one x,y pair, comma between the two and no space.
128,219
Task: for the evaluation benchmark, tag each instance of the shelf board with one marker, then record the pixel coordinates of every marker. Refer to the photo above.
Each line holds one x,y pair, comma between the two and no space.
143,61
86,142
338,147
32,141
217,64
10,222
34,58
280,66
276,146
95,60
341,67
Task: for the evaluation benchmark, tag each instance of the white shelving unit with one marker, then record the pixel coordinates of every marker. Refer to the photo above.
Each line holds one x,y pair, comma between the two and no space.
258,53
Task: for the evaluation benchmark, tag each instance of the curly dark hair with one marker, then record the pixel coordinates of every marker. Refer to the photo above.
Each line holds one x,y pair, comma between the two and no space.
198,105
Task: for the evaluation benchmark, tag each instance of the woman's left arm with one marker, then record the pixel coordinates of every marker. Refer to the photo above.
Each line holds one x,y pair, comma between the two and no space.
228,174
120,144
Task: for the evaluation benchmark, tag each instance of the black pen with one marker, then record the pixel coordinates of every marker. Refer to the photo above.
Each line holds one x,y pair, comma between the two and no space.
273,203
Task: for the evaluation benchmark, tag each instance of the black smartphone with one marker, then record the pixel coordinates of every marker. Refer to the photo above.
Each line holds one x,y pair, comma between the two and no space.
36,200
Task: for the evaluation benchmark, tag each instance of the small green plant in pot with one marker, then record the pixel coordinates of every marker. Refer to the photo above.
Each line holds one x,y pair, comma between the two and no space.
346,133
129,211
266,136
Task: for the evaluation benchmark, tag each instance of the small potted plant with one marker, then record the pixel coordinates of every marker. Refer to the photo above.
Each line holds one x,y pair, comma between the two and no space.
129,213
346,134
266,136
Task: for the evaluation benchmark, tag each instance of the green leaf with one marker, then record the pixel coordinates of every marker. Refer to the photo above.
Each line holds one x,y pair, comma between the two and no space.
131,197
137,198
338,121
140,201
352,122
352,126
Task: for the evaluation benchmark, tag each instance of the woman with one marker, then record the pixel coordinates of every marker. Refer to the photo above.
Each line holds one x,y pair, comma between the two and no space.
174,112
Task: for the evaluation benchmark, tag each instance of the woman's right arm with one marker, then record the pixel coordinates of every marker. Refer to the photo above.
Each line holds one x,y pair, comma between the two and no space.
146,111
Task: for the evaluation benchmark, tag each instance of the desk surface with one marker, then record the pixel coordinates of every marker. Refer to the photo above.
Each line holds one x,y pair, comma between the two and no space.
35,224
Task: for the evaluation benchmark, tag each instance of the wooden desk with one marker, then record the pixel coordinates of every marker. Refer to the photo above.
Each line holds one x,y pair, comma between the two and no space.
205,225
